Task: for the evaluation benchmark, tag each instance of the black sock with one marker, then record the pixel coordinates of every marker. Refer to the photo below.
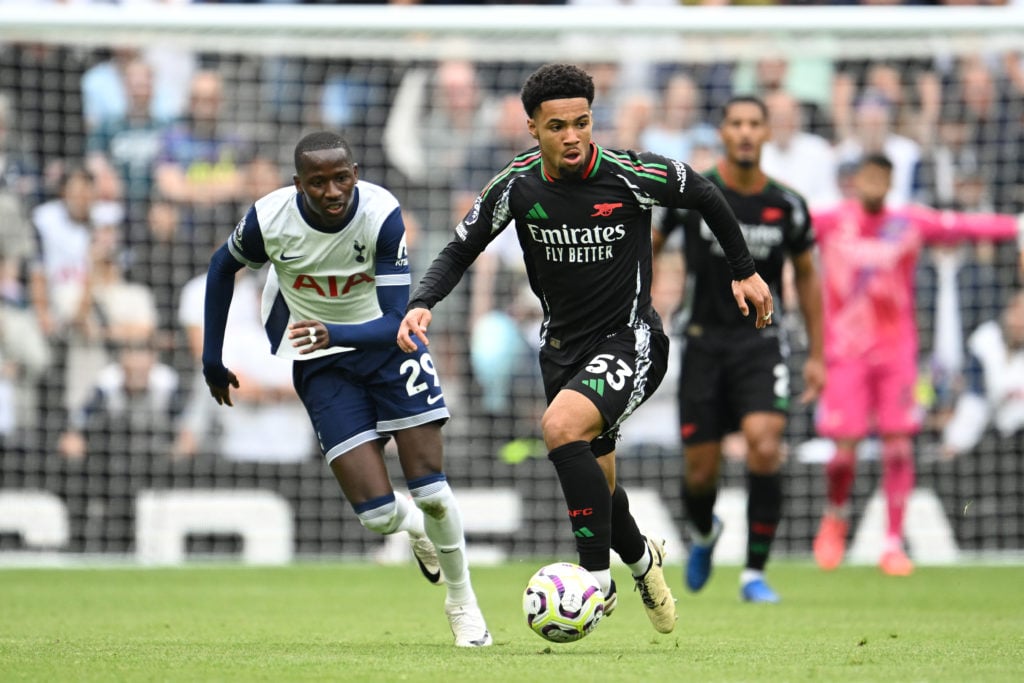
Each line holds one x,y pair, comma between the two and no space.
764,510
627,540
700,506
590,504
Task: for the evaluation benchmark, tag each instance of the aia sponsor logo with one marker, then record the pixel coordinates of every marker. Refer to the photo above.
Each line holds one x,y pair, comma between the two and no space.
331,285
605,210
688,429
770,214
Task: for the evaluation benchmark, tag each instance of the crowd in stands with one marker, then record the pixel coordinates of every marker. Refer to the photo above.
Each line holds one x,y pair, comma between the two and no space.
122,170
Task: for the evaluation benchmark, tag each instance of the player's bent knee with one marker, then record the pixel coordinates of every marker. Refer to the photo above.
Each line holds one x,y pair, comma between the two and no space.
765,456
379,515
433,496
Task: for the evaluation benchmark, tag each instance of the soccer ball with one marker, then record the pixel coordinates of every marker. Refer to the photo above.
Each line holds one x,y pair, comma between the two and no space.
563,602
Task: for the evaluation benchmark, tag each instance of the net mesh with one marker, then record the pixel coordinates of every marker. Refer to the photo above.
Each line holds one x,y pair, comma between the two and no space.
183,117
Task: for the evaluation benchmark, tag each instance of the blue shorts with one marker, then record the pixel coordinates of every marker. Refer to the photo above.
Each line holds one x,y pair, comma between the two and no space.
364,395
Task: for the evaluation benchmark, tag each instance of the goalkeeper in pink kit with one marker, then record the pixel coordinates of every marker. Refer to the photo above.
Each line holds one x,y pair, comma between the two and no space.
868,258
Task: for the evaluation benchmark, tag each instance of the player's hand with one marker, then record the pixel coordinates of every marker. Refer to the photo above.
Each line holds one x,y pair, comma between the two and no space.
222,392
755,290
414,323
309,336
814,379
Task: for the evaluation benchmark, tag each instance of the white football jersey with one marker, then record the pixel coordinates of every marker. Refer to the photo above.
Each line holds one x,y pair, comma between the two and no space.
331,277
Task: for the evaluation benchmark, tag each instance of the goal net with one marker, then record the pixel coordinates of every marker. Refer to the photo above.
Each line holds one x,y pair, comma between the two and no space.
158,126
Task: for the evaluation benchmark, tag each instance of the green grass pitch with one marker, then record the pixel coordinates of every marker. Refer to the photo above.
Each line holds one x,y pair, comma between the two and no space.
355,622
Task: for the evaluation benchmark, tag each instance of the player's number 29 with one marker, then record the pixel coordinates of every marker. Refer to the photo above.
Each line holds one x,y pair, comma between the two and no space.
413,368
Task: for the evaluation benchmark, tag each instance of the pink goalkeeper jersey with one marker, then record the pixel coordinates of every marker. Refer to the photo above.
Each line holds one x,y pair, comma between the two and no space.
868,263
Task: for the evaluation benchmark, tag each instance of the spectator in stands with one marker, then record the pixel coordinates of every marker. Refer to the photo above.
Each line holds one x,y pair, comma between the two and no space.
872,134
803,160
133,407
994,392
48,116
959,286
677,127
113,440
129,144
18,174
64,229
992,112
107,90
436,119
200,166
162,260
24,351
632,116
808,80
950,160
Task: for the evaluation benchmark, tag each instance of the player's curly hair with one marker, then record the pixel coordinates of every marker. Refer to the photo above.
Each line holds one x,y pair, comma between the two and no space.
556,82
314,142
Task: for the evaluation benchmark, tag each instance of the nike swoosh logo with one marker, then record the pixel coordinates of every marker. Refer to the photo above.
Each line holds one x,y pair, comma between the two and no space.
431,400
447,551
290,258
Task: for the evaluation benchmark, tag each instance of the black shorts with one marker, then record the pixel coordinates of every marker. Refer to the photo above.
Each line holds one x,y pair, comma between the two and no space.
619,374
726,375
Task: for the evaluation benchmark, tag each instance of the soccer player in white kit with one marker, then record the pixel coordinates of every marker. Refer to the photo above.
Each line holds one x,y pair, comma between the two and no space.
335,296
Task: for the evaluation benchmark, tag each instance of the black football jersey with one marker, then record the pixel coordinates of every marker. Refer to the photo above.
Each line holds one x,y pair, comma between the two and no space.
586,241
775,224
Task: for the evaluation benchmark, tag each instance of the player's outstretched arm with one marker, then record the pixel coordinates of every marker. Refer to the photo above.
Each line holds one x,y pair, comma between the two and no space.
755,290
414,324
220,287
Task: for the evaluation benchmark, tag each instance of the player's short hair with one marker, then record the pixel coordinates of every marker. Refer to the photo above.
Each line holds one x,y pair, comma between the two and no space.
875,159
556,82
742,99
320,140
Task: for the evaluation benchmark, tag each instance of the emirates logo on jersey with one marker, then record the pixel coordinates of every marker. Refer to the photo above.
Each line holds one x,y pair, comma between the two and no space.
605,210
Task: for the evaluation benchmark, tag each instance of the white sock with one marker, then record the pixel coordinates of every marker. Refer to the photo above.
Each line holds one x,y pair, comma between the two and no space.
604,579
748,575
410,517
442,522
398,514
640,567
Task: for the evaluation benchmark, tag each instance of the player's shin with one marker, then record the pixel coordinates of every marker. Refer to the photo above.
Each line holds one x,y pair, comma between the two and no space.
626,539
442,520
590,506
897,482
700,505
764,510
839,473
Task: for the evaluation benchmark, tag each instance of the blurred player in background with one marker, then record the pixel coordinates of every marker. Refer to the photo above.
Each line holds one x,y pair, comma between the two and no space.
583,218
868,256
332,303
732,378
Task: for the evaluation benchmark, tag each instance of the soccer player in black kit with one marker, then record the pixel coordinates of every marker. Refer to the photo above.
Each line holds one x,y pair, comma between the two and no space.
732,377
583,218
